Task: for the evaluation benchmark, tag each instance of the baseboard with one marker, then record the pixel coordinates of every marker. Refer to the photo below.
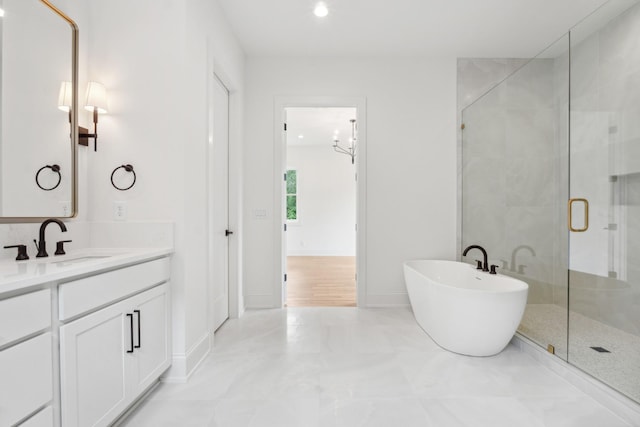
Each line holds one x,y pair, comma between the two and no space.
319,252
184,365
372,301
616,402
258,301
387,300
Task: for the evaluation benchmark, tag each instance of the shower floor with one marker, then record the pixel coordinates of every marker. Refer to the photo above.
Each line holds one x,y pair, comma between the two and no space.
619,367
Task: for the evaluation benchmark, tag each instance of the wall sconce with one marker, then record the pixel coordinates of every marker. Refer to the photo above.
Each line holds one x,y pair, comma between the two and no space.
96,102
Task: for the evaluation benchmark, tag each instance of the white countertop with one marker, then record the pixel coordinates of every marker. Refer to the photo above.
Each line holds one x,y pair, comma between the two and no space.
17,275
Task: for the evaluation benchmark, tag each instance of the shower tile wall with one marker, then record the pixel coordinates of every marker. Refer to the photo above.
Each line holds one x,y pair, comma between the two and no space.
513,156
510,167
475,78
478,76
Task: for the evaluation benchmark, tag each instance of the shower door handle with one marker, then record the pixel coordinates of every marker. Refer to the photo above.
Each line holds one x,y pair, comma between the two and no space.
586,215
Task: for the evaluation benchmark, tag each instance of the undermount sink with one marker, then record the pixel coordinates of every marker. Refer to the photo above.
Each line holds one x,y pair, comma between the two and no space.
80,259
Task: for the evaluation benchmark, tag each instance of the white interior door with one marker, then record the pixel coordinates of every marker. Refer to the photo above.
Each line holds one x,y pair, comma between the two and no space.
220,212
283,204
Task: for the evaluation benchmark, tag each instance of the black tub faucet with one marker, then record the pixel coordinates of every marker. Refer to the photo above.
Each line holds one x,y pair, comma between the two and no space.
485,264
42,245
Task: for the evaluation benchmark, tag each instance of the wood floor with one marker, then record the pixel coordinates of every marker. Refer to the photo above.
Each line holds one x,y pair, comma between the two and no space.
321,281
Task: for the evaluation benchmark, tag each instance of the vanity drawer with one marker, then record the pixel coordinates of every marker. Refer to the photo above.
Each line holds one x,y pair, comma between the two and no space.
86,294
27,378
23,315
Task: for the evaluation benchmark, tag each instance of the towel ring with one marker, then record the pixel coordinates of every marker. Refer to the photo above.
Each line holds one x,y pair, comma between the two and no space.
54,168
127,168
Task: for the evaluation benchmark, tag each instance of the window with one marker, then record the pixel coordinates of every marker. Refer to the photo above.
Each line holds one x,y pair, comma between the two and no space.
292,195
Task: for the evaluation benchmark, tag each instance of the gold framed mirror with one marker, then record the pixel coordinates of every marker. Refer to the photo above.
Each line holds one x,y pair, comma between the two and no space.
38,112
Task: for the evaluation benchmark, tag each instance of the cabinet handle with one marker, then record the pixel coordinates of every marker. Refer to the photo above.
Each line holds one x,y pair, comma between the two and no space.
130,316
139,335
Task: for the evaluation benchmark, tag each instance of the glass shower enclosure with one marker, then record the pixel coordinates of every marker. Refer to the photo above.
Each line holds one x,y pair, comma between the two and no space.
551,188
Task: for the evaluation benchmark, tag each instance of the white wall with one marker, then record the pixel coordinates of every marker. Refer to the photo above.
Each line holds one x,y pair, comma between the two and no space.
157,59
411,162
326,202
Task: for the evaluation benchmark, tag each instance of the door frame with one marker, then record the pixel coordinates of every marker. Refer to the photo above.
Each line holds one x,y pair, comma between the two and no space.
280,166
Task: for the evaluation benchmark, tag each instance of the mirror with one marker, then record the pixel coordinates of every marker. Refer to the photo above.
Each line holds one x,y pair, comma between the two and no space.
37,138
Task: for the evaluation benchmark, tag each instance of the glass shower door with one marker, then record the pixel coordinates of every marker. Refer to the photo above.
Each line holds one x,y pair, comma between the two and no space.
604,206
515,185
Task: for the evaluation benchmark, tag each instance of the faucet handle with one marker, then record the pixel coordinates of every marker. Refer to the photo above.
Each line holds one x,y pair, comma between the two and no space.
22,251
478,264
493,269
60,247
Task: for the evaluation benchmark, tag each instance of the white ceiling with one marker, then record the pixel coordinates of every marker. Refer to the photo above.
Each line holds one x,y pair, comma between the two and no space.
318,125
459,28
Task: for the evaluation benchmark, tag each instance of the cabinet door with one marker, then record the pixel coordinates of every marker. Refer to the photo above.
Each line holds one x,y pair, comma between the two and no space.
151,337
93,363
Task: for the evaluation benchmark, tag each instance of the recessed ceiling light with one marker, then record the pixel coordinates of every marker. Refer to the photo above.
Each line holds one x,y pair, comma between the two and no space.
1,13
321,10
301,136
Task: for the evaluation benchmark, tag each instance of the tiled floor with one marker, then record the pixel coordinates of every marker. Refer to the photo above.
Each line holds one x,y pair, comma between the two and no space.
350,367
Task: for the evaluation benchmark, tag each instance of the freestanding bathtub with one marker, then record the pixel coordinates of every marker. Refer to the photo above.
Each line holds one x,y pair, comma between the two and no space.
465,310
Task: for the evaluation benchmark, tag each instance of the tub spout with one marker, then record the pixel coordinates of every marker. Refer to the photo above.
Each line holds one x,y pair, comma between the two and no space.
485,264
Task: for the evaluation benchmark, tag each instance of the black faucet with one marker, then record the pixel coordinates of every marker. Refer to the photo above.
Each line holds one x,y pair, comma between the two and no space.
42,245
485,265
512,267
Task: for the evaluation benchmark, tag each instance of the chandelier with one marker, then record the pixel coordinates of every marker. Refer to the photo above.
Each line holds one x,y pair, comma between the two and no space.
350,149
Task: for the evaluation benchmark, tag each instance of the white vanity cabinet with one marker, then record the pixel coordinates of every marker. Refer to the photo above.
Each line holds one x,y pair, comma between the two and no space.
82,336
26,367
109,357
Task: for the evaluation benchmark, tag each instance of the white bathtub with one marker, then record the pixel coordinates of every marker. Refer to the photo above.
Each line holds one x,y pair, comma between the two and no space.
465,310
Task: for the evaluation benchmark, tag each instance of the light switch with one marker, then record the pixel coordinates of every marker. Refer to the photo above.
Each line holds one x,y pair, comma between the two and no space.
260,213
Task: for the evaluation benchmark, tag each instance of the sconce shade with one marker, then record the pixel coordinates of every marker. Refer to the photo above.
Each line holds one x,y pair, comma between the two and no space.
64,98
96,98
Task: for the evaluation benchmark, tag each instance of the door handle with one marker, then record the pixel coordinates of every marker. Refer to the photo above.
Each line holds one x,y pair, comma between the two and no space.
227,233
139,335
130,316
586,215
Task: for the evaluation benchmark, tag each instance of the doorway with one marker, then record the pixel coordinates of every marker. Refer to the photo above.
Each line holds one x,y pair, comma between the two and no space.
320,199
220,204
